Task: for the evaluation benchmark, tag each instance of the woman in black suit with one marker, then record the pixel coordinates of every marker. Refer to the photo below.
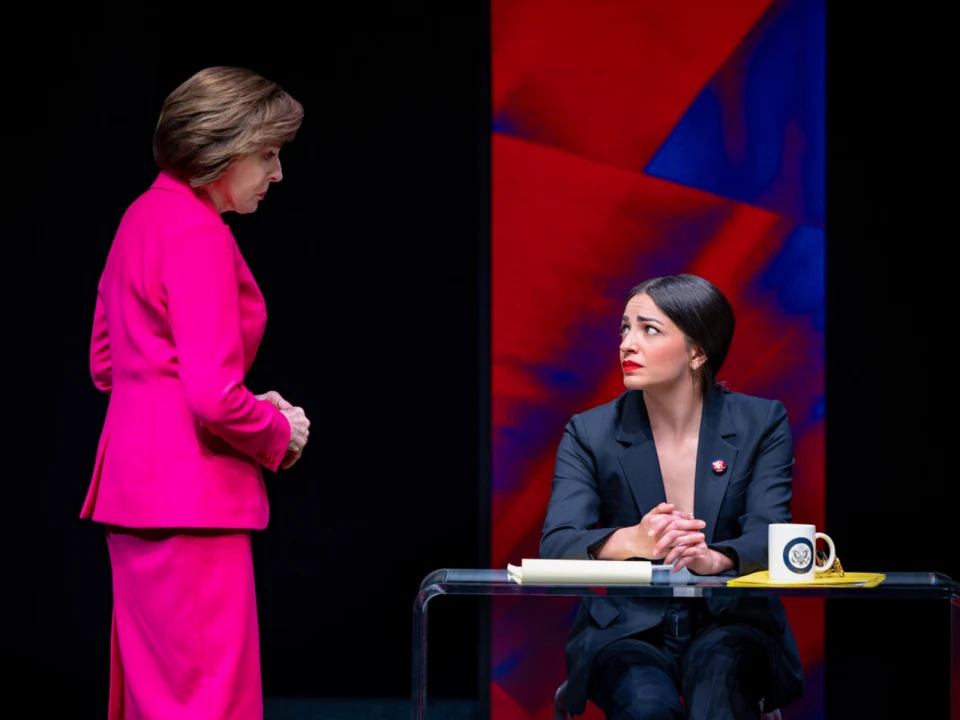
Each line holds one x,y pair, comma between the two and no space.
676,470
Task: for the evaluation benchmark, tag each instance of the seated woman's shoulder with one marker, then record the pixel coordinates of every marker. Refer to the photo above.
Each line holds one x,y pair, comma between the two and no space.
753,405
607,417
608,410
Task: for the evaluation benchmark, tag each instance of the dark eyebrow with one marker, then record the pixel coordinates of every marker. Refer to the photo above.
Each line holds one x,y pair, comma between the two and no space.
641,318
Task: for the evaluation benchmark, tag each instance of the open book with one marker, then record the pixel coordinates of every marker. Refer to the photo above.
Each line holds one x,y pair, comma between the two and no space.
583,572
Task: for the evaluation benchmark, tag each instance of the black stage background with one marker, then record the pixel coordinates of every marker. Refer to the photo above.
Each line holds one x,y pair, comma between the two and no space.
891,455
372,256
368,254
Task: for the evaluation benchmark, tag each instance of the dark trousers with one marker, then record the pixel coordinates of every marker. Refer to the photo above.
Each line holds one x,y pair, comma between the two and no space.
690,667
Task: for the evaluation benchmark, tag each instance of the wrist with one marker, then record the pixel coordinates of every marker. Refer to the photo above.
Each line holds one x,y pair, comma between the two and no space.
719,562
711,563
619,545
637,543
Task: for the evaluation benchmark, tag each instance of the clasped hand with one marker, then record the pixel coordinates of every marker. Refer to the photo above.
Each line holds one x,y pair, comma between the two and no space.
299,426
675,536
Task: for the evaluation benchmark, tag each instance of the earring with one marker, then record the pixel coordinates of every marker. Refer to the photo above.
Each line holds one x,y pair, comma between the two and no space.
694,365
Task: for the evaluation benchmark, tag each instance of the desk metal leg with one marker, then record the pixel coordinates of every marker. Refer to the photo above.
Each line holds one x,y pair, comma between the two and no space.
419,659
955,658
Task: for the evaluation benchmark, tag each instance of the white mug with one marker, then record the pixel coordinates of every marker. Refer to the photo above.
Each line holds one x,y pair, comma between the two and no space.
792,552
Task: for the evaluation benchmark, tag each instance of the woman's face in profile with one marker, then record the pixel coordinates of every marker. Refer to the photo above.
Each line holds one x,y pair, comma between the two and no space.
246,181
653,351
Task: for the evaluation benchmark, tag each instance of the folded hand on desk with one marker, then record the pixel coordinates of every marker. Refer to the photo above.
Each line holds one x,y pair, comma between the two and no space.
666,533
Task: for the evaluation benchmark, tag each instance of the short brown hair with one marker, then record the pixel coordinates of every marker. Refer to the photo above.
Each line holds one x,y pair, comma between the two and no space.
217,116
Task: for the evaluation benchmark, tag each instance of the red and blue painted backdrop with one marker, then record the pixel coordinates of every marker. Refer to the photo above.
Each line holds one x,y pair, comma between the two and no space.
634,139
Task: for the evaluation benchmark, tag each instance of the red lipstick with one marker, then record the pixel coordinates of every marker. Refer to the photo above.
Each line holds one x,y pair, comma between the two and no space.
629,365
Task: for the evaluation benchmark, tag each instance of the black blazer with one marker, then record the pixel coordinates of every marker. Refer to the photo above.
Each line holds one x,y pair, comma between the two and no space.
607,476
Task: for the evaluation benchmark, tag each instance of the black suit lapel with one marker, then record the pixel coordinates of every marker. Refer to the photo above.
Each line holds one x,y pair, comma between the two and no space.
715,427
640,462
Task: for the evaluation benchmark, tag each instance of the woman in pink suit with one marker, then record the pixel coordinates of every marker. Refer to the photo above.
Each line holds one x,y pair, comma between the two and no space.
178,480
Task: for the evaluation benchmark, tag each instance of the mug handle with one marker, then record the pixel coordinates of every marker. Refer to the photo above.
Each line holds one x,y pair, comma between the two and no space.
828,563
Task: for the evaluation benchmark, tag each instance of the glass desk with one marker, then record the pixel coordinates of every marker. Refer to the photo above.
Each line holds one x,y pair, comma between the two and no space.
898,585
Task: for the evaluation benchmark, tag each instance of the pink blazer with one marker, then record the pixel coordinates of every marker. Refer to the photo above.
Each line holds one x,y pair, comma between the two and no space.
177,325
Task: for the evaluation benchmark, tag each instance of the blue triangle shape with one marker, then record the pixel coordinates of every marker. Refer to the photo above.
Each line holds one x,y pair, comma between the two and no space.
755,133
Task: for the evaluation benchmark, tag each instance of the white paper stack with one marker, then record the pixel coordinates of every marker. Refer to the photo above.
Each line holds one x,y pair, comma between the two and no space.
581,572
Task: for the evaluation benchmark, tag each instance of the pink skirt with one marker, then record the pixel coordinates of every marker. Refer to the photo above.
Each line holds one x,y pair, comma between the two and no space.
185,642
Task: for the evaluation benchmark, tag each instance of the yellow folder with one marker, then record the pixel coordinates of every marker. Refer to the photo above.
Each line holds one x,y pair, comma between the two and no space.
762,578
